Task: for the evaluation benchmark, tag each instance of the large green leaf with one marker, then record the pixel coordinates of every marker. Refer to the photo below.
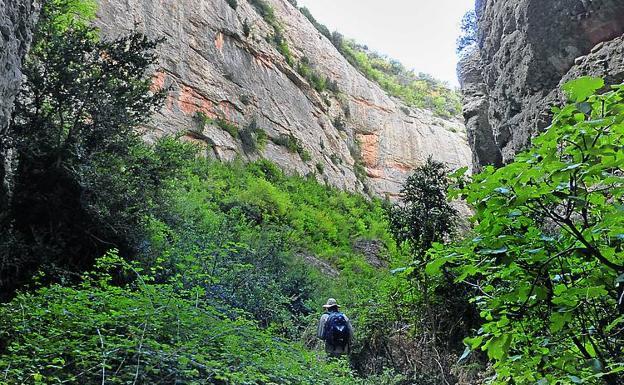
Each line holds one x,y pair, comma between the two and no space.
580,89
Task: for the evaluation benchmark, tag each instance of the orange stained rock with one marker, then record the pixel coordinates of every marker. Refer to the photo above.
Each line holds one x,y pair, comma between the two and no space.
369,145
158,81
190,102
375,173
404,167
369,104
263,61
219,40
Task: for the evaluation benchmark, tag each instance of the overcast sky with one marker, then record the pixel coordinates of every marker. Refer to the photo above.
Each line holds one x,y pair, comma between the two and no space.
419,33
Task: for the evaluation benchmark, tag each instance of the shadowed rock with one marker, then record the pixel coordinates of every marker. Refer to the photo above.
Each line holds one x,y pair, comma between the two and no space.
526,49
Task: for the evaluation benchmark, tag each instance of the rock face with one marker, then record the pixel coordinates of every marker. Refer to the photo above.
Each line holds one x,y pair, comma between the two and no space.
526,50
355,138
17,19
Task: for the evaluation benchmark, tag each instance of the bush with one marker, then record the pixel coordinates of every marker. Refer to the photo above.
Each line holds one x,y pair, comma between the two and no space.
254,139
233,4
85,181
246,28
222,123
146,333
547,255
292,144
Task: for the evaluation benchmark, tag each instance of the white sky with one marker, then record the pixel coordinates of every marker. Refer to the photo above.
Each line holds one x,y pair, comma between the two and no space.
420,34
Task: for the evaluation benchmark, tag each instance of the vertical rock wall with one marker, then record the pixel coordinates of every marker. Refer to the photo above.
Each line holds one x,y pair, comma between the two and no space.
17,20
526,49
357,137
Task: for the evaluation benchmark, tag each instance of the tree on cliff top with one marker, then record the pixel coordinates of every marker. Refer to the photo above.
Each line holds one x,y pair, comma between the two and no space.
468,36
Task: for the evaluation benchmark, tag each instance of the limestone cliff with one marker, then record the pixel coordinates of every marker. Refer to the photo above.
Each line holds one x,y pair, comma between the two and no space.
217,60
526,50
17,19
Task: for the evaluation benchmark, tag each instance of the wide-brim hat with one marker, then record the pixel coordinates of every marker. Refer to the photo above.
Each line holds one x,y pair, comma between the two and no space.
331,303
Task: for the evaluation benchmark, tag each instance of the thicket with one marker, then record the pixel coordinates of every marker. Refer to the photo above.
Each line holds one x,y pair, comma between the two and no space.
546,260
231,254
84,180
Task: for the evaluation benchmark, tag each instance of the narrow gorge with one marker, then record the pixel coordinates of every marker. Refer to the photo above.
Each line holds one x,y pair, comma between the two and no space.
201,192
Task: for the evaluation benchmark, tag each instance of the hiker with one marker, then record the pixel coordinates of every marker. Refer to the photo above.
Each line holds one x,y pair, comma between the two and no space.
335,329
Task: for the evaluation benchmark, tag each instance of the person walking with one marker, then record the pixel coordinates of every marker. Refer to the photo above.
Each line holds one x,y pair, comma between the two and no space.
335,329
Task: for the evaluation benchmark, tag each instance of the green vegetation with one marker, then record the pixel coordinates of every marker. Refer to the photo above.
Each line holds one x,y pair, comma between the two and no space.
145,332
222,123
245,99
131,263
233,4
336,159
339,123
84,180
320,27
358,165
468,37
254,138
546,261
223,258
214,278
265,10
246,28
316,80
417,90
292,144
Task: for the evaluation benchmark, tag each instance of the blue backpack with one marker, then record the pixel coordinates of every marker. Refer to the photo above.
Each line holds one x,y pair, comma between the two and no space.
336,331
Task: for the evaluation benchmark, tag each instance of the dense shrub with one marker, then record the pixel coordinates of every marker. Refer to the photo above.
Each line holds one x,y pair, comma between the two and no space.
84,180
547,258
145,333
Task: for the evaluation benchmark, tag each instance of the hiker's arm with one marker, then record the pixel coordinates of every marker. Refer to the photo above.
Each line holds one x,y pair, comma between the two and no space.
321,326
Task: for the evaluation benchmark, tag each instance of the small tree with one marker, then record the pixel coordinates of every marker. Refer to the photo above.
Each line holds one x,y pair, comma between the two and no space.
468,36
423,216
